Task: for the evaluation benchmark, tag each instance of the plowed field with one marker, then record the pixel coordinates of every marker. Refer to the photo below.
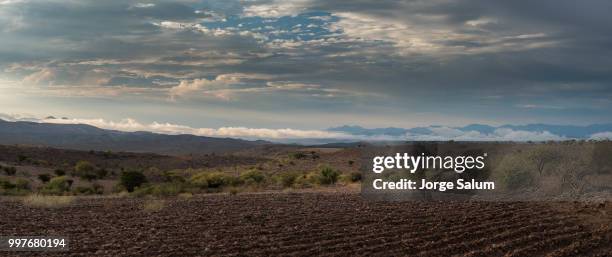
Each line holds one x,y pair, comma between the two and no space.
308,224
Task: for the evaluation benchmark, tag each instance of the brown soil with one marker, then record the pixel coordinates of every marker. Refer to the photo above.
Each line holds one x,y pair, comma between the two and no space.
308,224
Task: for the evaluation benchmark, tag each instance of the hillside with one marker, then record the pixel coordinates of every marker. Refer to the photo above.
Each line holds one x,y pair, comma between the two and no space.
86,137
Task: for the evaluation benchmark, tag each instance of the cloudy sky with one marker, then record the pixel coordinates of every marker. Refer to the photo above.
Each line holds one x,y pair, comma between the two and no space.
308,64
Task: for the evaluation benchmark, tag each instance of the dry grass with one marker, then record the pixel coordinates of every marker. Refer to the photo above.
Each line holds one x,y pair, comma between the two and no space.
185,195
45,201
153,205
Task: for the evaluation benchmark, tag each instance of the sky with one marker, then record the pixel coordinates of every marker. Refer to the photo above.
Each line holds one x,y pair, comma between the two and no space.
307,65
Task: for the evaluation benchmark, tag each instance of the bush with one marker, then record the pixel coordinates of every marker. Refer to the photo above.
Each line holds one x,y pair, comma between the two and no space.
219,179
21,187
306,180
199,180
101,173
83,191
328,176
22,183
355,176
162,190
22,158
252,177
132,179
172,176
44,177
287,179
59,172
10,171
213,180
85,170
5,184
298,155
56,186
95,189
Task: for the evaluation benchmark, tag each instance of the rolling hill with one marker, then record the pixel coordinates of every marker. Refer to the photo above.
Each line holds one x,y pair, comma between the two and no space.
86,137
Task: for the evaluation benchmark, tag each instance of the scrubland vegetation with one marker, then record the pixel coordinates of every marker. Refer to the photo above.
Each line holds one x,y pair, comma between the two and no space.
555,167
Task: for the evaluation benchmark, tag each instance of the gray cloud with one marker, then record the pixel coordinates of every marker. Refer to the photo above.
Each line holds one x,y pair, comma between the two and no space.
501,61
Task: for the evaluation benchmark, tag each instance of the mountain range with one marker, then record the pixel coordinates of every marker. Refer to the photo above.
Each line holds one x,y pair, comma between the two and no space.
86,137
567,131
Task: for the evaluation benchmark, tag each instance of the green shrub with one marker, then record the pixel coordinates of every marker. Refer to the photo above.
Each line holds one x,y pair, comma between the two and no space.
355,176
252,177
173,176
328,176
83,190
297,155
22,183
85,170
95,189
132,179
83,166
10,171
18,188
59,172
5,184
22,158
162,190
307,180
101,173
287,179
99,189
199,180
56,186
44,177
213,180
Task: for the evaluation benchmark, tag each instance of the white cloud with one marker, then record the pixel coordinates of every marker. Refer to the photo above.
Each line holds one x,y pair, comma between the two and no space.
43,76
144,5
602,136
7,2
235,132
277,8
500,134
439,133
429,34
207,86
539,106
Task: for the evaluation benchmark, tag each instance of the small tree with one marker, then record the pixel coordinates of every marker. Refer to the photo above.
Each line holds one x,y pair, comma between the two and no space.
60,172
132,179
44,177
83,167
252,177
85,170
355,176
101,173
10,171
328,176
541,156
57,185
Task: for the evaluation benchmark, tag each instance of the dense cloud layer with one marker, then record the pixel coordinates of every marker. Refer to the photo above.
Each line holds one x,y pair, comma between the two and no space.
288,135
472,60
